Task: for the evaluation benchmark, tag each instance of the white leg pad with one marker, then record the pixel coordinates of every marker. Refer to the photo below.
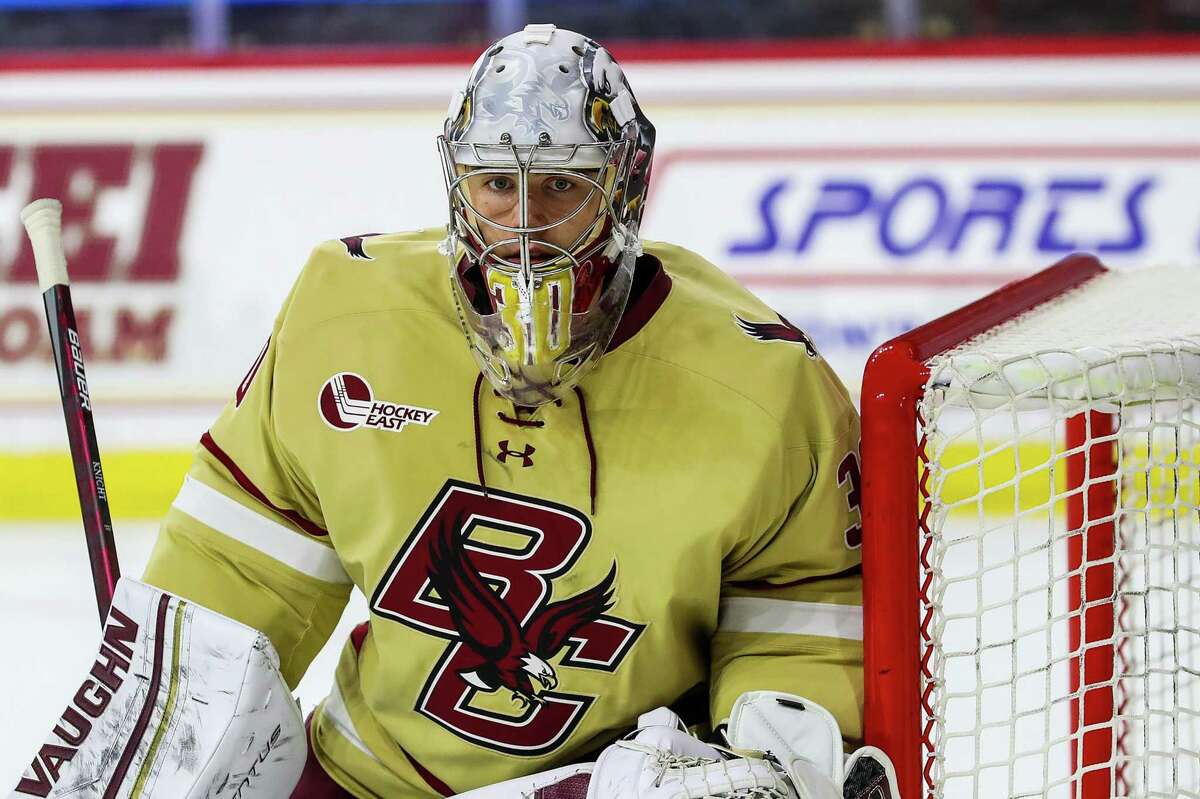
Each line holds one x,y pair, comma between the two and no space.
803,736
180,703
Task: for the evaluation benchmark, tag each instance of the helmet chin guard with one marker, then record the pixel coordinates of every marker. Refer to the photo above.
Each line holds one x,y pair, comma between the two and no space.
546,159
507,354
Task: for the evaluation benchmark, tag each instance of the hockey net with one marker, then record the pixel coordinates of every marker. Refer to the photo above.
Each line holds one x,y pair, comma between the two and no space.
1033,586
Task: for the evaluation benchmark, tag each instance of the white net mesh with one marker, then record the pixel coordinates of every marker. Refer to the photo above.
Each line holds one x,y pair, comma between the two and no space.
1062,657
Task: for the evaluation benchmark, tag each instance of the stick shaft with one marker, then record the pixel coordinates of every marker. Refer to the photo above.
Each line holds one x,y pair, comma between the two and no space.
85,454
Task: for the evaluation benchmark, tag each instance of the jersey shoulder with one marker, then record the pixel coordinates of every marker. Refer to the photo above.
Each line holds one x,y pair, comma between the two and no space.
713,326
371,273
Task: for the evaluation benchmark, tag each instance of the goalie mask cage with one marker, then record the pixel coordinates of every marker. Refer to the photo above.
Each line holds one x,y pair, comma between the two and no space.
1031,548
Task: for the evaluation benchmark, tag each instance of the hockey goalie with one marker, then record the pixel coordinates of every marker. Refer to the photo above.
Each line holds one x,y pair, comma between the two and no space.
602,500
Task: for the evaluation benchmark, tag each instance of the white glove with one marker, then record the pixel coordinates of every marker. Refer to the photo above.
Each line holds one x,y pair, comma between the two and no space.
807,742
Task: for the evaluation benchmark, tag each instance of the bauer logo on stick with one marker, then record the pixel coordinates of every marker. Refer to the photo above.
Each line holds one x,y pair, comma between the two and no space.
85,399
347,403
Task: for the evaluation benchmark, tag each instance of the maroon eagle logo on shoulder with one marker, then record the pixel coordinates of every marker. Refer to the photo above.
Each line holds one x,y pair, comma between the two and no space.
503,652
355,246
783,330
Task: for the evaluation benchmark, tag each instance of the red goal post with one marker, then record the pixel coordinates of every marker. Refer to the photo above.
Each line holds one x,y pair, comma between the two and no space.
904,625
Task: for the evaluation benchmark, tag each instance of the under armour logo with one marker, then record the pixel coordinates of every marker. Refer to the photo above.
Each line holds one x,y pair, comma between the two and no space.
526,455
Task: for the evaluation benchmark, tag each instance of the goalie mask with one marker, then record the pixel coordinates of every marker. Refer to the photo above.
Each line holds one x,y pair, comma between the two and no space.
546,157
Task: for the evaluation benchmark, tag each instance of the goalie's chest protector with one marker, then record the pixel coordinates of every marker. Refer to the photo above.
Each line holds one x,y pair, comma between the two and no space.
512,623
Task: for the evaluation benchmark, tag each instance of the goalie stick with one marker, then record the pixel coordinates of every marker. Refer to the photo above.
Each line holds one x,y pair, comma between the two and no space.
181,702
43,223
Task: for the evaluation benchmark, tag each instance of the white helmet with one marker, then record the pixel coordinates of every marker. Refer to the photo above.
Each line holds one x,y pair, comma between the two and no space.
547,159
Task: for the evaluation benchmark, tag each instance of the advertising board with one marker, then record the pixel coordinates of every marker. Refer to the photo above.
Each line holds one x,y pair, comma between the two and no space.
859,196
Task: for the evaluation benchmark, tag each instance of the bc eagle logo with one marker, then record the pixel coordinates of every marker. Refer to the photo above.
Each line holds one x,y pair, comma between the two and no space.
503,652
777,331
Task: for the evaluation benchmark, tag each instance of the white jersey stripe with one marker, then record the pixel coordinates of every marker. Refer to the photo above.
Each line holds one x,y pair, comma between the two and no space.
209,506
760,615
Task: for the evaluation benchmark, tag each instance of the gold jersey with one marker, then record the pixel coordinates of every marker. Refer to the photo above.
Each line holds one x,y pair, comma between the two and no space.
683,525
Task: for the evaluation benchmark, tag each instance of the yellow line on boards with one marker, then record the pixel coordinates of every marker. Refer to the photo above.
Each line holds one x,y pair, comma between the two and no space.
1031,476
142,484
41,486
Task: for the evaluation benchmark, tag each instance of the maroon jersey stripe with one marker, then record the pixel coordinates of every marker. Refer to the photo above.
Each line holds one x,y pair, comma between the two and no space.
250,488
642,307
430,778
244,386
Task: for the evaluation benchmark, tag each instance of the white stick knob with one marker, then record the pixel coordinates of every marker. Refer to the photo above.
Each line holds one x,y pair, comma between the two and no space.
43,223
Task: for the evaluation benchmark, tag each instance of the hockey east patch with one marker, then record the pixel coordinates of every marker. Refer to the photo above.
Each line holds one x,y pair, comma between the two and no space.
346,402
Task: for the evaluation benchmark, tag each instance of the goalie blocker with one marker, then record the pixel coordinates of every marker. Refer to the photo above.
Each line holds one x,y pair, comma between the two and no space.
181,702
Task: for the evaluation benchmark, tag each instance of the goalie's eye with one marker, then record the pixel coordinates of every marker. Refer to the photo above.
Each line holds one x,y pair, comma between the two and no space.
501,184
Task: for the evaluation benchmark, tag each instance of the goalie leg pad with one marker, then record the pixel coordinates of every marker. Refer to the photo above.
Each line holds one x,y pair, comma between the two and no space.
660,760
633,770
181,703
807,741
870,775
803,736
